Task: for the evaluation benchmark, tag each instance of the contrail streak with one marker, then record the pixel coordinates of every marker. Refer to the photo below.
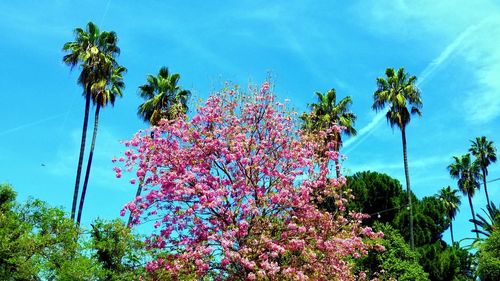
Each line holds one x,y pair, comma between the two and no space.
105,12
31,124
431,68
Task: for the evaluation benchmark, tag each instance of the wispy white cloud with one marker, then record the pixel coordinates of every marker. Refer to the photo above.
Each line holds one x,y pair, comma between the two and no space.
482,54
476,44
31,124
427,73
363,133
448,52
416,164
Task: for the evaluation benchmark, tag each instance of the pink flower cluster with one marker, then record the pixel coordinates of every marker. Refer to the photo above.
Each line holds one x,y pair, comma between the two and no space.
232,193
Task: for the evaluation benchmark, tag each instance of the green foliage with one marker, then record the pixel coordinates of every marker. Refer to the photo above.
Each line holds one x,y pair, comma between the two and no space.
375,194
446,263
35,240
488,223
120,254
430,221
397,262
38,242
384,199
489,258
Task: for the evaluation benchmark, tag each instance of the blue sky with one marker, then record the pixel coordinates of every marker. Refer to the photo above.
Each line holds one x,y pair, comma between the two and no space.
453,47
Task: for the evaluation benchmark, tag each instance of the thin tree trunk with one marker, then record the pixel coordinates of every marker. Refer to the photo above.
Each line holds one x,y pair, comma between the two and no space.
337,145
473,215
485,189
82,152
139,188
408,189
451,231
337,168
138,193
89,165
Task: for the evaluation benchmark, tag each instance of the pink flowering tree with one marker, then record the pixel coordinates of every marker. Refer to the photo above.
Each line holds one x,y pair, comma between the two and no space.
233,195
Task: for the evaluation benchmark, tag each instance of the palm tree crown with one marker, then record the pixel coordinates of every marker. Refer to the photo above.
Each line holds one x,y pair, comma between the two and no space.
451,201
466,172
164,98
485,153
94,51
400,93
108,88
327,112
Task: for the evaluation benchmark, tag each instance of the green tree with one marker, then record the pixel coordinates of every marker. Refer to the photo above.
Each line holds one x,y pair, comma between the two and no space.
376,194
164,99
325,113
383,198
91,50
120,254
104,91
400,93
467,174
446,263
397,262
489,258
451,202
430,221
485,153
37,242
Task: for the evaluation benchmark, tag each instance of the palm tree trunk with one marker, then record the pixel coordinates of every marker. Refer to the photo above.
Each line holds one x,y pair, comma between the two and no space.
336,147
451,231
139,188
485,189
89,165
473,215
408,189
337,168
82,151
138,193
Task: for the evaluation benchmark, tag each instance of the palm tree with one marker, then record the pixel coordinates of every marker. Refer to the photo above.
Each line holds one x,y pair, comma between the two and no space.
326,113
485,153
104,91
451,202
90,50
467,174
164,99
400,93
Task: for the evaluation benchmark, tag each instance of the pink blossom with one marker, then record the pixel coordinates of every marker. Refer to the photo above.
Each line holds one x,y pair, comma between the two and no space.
234,190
